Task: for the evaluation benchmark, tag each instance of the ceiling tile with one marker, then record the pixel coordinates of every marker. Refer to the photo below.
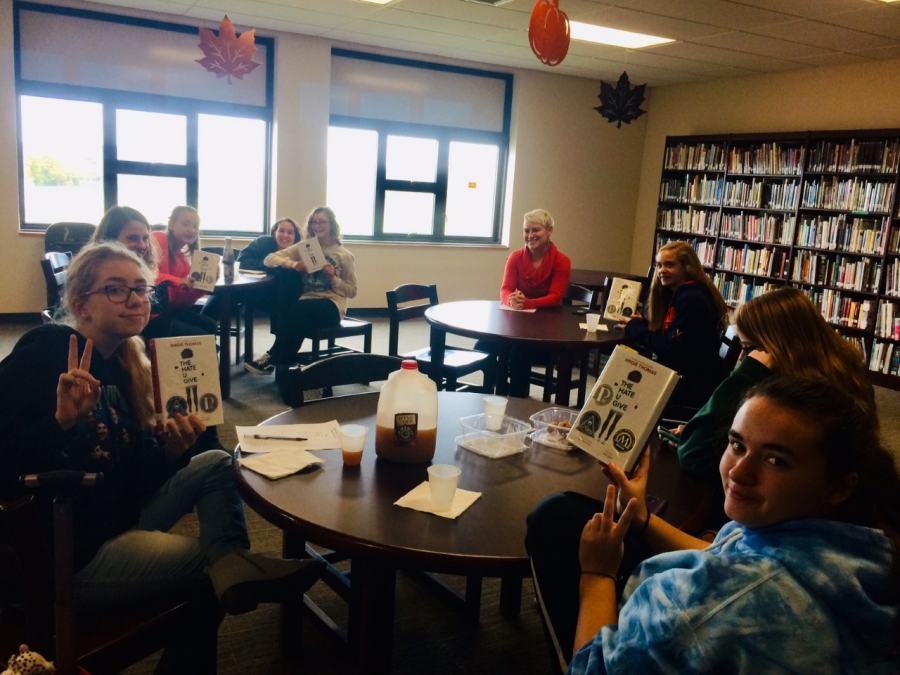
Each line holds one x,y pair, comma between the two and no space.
824,35
712,12
704,54
813,9
650,24
761,44
881,52
834,59
266,10
883,20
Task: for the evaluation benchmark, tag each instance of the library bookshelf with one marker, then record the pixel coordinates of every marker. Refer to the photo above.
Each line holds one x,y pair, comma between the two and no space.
817,210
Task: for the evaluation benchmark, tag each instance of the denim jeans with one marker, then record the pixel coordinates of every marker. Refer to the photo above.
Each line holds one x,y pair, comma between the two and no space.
147,561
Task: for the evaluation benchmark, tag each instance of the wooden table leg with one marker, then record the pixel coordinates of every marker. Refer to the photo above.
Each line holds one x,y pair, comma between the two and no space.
293,546
502,375
225,344
564,377
511,595
438,346
371,633
248,328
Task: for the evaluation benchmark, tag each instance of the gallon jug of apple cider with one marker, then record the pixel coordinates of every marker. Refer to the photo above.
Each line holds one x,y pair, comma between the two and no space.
406,423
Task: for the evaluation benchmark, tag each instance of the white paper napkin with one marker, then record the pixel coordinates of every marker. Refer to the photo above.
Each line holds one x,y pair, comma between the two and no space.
419,499
277,465
601,326
322,436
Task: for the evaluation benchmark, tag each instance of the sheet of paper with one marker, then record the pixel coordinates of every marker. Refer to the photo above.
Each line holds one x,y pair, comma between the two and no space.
510,309
324,436
601,326
252,273
312,255
277,465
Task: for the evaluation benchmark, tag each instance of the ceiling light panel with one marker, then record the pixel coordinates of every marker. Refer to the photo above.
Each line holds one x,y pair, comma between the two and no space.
587,32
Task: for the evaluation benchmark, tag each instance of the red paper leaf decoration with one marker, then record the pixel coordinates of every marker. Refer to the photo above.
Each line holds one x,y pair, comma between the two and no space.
227,55
549,32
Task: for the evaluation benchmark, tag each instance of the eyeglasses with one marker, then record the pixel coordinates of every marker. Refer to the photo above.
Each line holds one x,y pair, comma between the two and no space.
313,221
120,294
748,347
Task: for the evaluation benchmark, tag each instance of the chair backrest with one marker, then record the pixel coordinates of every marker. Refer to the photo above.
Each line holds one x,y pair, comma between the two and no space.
55,279
218,250
729,349
579,295
64,237
402,295
333,372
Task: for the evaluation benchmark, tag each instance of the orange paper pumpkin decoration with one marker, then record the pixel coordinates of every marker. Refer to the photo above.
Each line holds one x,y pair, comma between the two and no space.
228,55
549,32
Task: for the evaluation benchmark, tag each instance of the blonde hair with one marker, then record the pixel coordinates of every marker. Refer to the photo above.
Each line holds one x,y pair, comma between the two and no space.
82,275
661,297
790,328
540,217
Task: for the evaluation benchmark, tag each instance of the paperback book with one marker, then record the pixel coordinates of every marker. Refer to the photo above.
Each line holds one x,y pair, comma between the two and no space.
623,299
186,378
312,255
205,270
623,408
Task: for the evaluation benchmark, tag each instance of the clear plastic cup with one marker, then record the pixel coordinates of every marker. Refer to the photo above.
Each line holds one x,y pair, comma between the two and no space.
593,321
494,409
442,479
353,442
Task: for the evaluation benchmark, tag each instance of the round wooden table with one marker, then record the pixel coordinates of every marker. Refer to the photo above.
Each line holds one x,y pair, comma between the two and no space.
351,509
556,329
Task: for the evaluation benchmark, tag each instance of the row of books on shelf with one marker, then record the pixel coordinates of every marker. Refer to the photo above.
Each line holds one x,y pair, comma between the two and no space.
852,274
695,190
747,259
857,343
862,235
885,358
761,194
839,309
892,279
855,156
888,323
737,290
850,194
704,249
766,158
694,221
695,157
894,241
769,228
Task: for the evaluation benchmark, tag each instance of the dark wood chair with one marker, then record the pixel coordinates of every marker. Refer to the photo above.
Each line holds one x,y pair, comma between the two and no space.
457,362
575,296
63,237
54,267
36,596
348,328
334,371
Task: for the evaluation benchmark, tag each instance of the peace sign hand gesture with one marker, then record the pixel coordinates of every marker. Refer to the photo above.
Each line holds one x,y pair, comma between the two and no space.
78,392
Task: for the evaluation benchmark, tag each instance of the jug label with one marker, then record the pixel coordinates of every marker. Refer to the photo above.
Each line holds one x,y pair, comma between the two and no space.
405,426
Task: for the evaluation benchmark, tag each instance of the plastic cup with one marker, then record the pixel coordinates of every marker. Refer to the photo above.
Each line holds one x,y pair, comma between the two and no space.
353,441
593,321
494,409
442,479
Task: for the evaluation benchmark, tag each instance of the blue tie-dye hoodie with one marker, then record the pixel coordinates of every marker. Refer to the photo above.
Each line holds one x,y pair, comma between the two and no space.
805,596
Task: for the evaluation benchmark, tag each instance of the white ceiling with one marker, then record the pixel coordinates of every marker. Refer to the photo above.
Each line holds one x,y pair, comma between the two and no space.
715,38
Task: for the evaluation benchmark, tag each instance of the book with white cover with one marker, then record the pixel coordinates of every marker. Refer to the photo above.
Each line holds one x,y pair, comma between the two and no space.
623,408
205,270
312,255
622,300
186,378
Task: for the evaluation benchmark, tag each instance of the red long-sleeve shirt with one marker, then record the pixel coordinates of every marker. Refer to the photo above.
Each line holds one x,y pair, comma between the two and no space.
542,287
174,269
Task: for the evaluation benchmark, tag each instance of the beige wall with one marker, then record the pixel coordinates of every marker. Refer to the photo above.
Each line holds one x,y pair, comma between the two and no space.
862,96
564,158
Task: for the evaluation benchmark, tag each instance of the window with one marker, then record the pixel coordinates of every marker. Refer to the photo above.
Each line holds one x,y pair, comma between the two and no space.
133,125
416,151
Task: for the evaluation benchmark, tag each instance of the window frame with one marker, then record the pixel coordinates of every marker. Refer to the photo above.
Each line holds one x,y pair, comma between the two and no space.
444,135
114,99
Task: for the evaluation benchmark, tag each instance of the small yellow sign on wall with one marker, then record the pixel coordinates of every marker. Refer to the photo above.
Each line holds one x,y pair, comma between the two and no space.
473,185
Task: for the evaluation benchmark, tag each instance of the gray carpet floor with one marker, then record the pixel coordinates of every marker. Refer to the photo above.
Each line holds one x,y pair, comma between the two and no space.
429,636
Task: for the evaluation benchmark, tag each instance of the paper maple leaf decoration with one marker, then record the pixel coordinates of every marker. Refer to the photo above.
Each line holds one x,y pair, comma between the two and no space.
621,103
227,55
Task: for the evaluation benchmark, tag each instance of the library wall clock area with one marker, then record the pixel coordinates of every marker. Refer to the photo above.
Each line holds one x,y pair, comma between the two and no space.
816,210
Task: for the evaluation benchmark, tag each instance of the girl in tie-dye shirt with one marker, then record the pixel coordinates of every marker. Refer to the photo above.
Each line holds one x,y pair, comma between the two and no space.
805,578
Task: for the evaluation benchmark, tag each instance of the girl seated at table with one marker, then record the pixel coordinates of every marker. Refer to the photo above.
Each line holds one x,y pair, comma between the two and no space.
326,291
176,246
288,282
88,406
805,579
782,333
685,319
536,275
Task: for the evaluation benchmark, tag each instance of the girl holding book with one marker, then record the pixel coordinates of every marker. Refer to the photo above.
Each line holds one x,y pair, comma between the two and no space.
176,247
806,577
326,291
685,319
88,406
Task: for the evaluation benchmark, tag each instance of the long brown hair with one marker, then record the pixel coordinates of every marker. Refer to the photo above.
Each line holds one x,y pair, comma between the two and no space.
115,220
661,297
174,248
82,275
787,326
334,226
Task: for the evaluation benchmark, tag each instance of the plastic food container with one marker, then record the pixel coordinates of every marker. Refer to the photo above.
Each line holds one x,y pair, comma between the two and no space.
508,440
552,426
